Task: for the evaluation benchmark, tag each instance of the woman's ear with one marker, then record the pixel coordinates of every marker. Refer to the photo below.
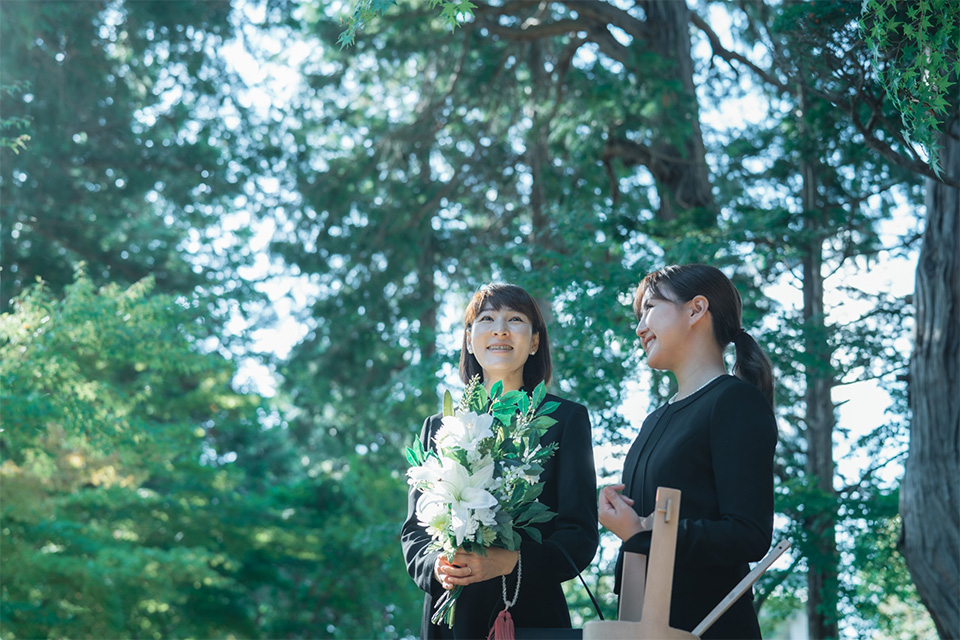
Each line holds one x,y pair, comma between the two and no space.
535,343
698,306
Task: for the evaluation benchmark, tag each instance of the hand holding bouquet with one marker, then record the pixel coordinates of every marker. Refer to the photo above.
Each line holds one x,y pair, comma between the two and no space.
480,483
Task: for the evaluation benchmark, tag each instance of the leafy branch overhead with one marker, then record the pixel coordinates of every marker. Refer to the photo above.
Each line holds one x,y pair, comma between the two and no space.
915,50
452,13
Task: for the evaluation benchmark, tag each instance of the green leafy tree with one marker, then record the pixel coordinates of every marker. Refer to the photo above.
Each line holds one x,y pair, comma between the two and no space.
142,496
915,51
107,404
134,145
831,193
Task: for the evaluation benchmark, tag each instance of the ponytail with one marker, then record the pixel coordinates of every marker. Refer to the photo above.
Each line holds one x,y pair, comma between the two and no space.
752,364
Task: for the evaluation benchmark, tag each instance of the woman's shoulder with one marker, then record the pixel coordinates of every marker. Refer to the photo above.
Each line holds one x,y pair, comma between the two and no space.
567,407
564,402
732,389
740,402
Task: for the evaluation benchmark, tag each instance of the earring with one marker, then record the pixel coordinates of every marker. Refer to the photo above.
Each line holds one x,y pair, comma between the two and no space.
534,352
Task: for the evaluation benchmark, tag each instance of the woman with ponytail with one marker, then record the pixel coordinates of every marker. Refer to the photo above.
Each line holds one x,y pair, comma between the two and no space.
714,440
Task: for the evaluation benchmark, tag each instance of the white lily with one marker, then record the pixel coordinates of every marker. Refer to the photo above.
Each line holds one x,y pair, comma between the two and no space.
463,492
426,474
465,431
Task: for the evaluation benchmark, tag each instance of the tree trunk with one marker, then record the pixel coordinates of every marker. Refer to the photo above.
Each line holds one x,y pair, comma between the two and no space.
680,165
822,581
930,492
822,571
676,158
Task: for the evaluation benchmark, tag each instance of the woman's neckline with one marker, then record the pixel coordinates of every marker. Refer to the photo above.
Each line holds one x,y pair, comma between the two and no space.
675,399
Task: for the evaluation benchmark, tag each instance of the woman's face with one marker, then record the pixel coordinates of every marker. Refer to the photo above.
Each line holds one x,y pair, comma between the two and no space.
660,330
502,340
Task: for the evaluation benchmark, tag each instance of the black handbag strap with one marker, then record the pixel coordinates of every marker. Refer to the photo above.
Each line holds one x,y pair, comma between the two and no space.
566,555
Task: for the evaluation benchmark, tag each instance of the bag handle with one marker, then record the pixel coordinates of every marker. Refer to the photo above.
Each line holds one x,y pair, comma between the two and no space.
566,555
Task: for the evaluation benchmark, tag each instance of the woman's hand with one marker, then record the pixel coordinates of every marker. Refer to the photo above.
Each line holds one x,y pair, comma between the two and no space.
467,568
440,571
617,514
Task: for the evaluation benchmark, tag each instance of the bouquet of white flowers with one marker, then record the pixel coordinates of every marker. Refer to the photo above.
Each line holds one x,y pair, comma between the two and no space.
480,483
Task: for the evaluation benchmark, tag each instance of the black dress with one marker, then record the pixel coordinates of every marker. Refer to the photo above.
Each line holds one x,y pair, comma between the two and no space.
570,491
716,446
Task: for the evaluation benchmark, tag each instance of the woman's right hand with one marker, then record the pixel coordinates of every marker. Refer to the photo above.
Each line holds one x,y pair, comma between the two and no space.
617,514
440,575
443,570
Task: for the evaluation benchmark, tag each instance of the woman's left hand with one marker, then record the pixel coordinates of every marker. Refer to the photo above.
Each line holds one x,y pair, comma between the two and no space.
617,514
473,567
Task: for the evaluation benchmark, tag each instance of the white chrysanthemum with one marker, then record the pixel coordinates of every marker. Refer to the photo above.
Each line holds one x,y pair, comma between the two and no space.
434,517
487,517
488,536
465,431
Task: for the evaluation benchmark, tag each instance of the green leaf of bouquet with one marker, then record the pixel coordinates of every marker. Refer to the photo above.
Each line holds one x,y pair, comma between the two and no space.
547,407
542,423
412,457
496,389
539,393
534,513
535,534
546,516
533,492
534,509
535,470
481,396
514,541
447,404
415,454
524,403
512,398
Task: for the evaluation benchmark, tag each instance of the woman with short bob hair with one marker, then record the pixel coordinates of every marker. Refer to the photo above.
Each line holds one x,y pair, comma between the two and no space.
539,366
505,340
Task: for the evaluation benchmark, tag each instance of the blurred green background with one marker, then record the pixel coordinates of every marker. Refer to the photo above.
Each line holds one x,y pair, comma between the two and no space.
237,237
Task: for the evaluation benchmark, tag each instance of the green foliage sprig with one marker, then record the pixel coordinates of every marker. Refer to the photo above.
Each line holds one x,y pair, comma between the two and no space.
452,13
915,49
9,138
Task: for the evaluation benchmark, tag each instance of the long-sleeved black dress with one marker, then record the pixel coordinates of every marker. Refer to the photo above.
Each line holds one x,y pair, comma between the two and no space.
716,446
570,491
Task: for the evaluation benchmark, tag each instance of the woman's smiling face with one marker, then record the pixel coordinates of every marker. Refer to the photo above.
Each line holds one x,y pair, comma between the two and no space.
502,340
660,330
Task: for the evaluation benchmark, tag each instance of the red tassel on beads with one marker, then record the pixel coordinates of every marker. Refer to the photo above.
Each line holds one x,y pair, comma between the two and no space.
502,627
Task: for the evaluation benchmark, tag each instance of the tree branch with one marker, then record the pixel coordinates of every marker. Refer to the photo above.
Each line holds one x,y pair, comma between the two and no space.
722,52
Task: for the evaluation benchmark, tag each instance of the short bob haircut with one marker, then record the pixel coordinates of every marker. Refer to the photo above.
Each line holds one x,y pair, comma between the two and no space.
496,296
